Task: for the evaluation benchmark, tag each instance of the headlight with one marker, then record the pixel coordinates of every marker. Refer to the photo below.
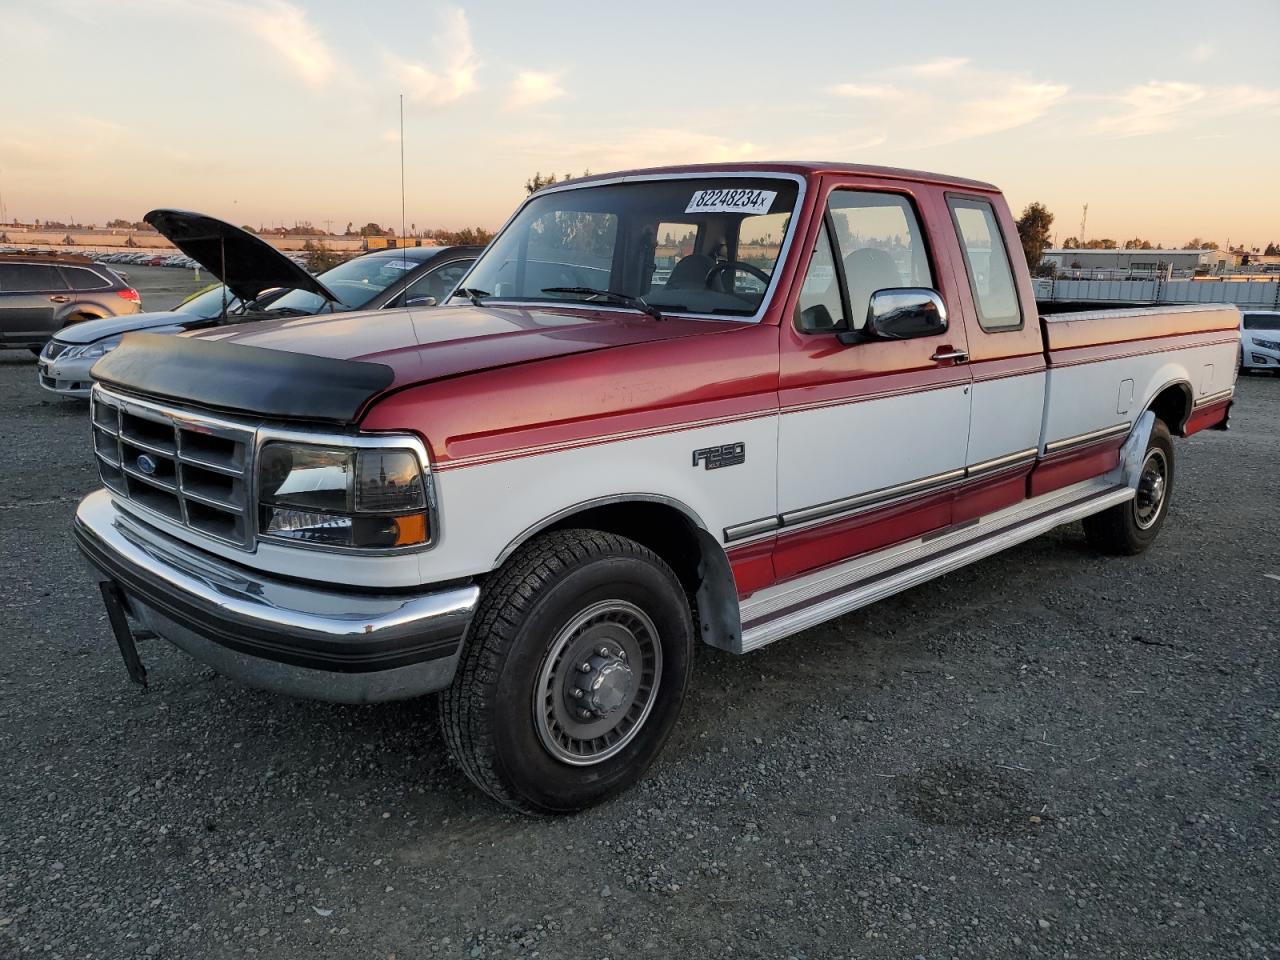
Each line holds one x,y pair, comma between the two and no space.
363,498
1266,344
92,350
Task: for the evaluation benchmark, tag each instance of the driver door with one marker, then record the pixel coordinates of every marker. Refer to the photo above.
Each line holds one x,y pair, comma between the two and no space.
872,435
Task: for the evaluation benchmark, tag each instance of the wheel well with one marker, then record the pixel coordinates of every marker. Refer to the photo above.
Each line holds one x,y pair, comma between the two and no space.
1173,406
696,557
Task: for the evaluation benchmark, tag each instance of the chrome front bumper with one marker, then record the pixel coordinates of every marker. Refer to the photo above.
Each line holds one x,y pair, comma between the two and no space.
292,637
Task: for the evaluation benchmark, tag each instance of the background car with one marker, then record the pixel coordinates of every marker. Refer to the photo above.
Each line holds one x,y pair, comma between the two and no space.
260,283
1260,341
41,295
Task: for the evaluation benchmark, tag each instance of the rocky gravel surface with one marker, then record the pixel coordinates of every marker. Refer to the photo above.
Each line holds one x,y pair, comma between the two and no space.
1048,754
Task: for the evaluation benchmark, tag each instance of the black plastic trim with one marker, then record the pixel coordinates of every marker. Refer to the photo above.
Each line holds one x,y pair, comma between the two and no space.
231,376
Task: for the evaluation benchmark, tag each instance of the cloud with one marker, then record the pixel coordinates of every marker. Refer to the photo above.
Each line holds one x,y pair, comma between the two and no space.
941,67
1020,103
531,88
627,148
1202,52
1151,107
945,100
454,74
866,91
284,28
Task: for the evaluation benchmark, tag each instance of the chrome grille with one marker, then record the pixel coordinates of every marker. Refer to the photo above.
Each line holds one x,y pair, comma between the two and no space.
190,468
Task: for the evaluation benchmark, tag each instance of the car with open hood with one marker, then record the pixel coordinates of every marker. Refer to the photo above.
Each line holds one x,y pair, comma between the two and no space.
258,282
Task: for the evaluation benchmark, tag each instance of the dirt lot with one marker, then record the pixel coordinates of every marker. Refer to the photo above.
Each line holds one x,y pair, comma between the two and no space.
1048,754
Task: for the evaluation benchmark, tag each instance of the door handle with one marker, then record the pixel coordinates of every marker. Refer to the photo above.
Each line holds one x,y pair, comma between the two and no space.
947,353
59,298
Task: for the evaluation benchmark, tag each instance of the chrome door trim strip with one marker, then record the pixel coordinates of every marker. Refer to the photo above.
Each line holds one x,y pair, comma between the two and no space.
995,463
749,529
1213,398
1092,436
848,504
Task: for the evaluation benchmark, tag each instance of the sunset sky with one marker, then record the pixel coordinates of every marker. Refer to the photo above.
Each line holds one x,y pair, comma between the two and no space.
1164,118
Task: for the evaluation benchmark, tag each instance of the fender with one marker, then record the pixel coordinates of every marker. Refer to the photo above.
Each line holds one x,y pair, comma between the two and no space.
719,616
1135,447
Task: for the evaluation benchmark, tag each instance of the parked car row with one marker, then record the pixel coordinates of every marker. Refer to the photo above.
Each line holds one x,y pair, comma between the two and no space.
257,282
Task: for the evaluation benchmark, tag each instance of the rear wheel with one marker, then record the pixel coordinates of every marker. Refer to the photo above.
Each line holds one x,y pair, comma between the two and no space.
1129,528
573,673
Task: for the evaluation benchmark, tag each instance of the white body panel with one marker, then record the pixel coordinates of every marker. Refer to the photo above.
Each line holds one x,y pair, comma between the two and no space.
486,507
842,451
1085,396
1007,416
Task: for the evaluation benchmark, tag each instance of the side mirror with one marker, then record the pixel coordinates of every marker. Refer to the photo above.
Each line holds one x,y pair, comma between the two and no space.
421,302
901,313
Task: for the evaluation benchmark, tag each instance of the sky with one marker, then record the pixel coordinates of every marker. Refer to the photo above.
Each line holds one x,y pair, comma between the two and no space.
1164,118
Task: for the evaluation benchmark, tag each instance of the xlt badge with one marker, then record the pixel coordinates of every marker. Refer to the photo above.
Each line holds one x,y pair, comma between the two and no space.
725,455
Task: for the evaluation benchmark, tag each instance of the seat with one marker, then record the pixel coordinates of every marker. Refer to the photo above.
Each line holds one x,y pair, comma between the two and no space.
866,271
691,273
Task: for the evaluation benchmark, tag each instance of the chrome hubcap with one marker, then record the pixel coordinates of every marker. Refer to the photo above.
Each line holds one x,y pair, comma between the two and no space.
1152,486
598,683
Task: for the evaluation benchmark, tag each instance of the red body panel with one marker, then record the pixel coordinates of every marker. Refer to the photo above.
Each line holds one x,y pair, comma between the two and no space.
1071,466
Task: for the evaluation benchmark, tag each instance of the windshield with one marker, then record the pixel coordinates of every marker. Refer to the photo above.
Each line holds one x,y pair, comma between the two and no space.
703,246
207,304
355,283
1262,321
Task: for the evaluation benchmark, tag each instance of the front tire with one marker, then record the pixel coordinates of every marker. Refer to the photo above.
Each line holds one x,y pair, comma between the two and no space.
573,673
1129,528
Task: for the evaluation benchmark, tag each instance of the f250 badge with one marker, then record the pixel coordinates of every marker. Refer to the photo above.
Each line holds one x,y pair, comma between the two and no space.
725,455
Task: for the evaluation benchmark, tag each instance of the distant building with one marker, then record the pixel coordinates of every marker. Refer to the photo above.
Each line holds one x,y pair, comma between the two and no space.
1138,263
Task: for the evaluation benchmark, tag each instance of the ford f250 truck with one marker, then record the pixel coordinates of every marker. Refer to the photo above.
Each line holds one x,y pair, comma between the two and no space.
706,403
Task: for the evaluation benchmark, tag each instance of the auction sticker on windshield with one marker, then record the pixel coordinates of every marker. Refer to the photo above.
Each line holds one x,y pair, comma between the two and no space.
731,200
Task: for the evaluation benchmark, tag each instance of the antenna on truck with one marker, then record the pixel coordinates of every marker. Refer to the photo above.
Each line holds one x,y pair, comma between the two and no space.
404,256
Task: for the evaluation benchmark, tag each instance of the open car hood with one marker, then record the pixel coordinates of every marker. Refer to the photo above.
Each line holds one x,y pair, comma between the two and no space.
246,264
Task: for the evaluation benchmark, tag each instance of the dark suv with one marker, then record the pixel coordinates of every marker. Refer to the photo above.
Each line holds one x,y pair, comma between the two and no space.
41,295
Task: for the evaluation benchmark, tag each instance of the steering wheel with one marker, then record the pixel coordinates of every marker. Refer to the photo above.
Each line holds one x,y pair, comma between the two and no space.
735,265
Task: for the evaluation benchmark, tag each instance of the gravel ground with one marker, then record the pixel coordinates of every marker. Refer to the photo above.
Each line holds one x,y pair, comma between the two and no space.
1046,754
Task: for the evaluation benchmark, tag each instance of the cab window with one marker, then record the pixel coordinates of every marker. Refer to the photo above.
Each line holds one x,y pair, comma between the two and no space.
820,307
880,245
987,261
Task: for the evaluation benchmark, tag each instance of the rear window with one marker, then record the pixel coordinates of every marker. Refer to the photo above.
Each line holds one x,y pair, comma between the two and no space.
1262,321
30,278
82,278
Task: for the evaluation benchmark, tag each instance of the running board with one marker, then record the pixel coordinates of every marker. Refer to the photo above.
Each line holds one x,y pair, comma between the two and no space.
815,598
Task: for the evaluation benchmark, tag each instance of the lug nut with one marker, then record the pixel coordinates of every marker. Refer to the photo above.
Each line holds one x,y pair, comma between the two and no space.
603,651
577,692
585,668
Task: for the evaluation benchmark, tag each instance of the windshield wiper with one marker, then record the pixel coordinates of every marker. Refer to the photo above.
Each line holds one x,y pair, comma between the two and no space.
636,303
475,296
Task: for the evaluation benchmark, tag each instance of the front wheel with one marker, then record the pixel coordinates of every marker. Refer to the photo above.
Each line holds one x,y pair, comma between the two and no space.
1129,528
573,673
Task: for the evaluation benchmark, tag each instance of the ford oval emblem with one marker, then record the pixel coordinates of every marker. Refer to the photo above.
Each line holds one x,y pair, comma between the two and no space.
146,464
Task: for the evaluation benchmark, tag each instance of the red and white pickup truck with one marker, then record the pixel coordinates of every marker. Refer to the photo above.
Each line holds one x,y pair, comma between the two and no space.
716,403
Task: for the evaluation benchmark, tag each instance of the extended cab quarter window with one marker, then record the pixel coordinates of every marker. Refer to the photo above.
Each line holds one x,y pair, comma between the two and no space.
987,260
880,244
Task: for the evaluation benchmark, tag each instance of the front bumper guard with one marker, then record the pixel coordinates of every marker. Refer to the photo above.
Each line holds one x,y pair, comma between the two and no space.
292,637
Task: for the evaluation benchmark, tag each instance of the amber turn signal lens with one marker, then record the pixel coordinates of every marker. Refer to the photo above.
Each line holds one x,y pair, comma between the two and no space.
411,529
